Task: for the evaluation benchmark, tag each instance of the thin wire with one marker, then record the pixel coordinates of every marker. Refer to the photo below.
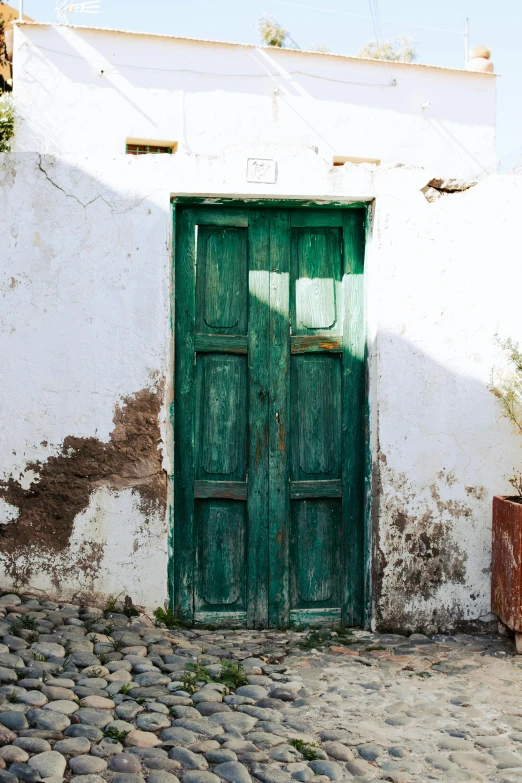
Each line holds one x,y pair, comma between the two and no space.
361,16
213,74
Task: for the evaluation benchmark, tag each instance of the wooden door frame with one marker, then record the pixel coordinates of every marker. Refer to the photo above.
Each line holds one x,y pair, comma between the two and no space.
249,201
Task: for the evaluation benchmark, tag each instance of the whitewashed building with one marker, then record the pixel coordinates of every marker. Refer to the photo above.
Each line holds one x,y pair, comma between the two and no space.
250,375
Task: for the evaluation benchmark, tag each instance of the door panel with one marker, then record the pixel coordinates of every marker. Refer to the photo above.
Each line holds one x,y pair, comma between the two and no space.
269,395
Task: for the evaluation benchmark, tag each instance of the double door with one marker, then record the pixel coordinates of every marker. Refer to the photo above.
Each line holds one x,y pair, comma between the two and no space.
268,415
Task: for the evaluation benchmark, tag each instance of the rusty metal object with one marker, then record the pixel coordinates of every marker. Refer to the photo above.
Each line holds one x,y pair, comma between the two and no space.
506,580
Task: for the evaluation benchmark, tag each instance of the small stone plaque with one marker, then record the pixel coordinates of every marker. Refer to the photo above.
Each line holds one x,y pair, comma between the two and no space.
261,170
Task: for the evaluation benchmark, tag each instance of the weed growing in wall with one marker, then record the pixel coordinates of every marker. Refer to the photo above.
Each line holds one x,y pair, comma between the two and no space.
7,118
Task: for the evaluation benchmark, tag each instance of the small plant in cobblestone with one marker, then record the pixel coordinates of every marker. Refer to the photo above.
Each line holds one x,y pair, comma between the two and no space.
38,657
32,637
13,698
140,700
314,639
111,604
232,675
104,658
25,622
306,749
91,622
108,629
116,644
113,734
167,618
125,688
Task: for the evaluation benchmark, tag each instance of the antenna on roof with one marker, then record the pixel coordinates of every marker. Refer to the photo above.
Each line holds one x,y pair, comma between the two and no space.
87,7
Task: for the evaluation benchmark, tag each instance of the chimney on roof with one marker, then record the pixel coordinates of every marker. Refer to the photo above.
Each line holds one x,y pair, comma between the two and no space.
480,61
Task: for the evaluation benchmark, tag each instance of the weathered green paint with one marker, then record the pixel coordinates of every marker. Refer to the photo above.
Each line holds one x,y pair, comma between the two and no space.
269,401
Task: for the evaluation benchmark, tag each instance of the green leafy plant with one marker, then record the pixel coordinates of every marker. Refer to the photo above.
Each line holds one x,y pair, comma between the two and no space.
126,687
32,637
402,50
111,604
91,622
38,657
167,618
315,639
232,675
116,644
13,698
7,121
506,382
24,621
113,734
271,32
306,749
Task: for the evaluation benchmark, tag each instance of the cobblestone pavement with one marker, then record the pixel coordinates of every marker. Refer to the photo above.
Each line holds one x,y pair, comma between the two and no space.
94,696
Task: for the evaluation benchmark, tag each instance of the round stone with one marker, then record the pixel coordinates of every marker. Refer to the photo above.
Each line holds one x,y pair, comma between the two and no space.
73,746
142,739
64,707
199,776
220,755
206,695
87,765
58,693
24,772
107,748
98,703
12,753
6,736
6,777
233,771
120,675
78,730
252,692
93,682
50,763
16,721
188,759
33,699
234,720
331,769
178,736
128,778
161,776
338,751
48,719
32,744
125,762
152,721
48,649
91,717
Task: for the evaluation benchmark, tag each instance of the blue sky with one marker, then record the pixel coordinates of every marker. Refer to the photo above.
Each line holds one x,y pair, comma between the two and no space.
343,26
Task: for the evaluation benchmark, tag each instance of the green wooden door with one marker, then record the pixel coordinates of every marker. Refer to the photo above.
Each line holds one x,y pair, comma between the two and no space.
269,400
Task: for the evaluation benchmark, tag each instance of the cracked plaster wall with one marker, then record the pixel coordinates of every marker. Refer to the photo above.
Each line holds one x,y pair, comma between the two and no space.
84,327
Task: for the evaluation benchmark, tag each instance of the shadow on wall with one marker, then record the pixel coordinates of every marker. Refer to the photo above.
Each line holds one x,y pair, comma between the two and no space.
84,345
442,451
84,349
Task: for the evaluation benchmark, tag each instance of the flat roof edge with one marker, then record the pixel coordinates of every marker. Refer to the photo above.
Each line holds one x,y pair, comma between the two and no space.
353,58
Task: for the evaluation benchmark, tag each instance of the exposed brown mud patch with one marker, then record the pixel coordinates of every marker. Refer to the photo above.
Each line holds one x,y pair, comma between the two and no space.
421,551
64,483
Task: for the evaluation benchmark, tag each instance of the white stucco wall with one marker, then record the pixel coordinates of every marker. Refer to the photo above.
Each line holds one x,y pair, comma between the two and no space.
84,92
85,325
